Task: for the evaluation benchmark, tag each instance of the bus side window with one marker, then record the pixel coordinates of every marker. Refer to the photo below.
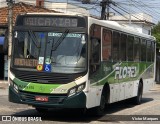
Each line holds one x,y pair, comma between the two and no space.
130,47
143,50
149,51
115,47
106,45
136,49
123,46
95,48
95,54
95,51
153,50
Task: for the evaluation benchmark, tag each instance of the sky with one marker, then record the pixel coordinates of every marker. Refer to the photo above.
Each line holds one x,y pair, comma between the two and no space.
123,7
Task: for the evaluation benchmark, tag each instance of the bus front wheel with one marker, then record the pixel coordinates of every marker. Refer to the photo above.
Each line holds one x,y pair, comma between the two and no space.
99,110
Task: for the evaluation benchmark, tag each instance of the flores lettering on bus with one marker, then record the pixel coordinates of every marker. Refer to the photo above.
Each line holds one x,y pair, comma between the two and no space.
123,72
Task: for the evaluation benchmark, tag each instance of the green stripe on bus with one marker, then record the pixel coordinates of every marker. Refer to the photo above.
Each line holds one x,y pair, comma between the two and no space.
107,72
44,88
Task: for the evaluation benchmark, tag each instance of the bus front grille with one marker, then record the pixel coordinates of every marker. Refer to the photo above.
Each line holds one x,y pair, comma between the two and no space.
43,77
29,97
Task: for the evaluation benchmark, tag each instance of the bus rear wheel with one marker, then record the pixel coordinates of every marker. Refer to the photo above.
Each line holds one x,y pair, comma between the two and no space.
138,98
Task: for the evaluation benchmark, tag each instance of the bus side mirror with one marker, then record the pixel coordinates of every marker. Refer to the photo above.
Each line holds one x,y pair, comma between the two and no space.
5,45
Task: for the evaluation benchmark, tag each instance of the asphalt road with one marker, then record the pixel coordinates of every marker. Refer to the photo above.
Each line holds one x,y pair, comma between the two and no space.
115,113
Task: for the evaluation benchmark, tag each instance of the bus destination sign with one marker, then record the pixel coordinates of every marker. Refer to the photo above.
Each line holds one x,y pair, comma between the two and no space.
25,62
51,21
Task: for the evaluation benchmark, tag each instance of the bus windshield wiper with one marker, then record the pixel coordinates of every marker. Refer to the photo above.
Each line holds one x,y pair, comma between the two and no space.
59,41
34,38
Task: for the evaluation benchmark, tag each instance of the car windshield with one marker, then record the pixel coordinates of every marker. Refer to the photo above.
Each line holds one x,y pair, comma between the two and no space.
56,52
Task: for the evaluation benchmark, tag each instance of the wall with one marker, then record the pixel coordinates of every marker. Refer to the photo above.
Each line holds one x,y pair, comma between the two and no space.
140,27
66,8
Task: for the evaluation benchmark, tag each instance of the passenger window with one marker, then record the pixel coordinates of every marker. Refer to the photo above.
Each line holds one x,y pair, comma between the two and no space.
95,48
130,47
115,48
106,45
136,49
123,46
143,50
149,49
153,50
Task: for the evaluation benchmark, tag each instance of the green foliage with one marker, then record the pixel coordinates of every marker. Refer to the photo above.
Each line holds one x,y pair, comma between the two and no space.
156,33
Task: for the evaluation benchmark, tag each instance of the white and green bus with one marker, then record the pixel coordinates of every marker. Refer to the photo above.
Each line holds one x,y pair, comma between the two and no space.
75,61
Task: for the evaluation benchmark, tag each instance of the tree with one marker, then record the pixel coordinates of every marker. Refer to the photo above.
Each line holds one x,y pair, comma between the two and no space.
156,33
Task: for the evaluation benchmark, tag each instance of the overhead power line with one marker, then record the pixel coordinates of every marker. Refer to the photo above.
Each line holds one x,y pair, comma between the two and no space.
140,6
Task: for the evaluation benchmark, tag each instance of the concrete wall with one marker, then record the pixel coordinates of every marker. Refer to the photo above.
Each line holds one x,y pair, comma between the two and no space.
66,8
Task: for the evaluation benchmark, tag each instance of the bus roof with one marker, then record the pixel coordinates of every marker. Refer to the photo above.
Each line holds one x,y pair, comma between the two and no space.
122,28
63,14
109,24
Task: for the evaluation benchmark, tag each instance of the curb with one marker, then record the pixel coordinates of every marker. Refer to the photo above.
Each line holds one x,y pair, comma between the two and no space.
3,84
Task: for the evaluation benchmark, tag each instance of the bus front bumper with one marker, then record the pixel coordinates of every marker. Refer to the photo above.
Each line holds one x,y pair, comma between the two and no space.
54,101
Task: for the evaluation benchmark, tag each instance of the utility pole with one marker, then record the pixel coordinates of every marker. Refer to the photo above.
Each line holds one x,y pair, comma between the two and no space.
10,25
104,4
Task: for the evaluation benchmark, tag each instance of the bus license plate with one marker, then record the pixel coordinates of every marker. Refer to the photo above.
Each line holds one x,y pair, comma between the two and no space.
41,98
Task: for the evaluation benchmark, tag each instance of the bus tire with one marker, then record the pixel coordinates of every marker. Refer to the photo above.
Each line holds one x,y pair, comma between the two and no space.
99,110
138,98
41,110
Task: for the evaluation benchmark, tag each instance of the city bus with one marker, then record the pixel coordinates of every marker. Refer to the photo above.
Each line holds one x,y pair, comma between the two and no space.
76,61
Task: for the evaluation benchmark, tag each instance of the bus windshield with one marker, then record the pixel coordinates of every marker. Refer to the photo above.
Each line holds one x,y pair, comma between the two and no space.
62,52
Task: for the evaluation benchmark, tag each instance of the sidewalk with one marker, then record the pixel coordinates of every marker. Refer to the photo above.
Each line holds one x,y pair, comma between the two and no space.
3,84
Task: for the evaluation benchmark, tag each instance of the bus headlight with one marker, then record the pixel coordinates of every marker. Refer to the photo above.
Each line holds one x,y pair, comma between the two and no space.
80,87
76,89
72,91
10,82
15,86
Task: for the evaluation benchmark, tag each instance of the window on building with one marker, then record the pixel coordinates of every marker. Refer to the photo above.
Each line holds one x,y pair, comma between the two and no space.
149,32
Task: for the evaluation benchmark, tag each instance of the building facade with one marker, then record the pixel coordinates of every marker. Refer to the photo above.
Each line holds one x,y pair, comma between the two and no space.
141,22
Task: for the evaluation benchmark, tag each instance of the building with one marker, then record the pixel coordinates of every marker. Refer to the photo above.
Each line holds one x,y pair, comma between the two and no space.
66,8
141,22
18,8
